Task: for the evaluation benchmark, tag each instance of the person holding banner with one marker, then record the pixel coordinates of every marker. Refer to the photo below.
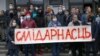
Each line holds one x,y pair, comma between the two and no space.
89,19
76,46
55,46
29,23
12,48
97,34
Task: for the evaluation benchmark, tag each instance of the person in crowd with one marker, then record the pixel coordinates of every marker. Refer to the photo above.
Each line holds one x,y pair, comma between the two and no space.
77,46
66,18
48,14
34,12
98,16
10,13
29,23
40,17
78,13
54,22
89,19
97,33
31,8
55,46
18,11
3,25
60,16
12,48
72,12
62,7
22,17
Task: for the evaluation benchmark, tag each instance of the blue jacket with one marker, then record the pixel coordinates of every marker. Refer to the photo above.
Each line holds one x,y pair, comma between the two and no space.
84,20
54,24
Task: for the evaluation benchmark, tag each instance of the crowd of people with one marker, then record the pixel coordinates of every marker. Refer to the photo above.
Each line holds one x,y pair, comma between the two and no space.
36,17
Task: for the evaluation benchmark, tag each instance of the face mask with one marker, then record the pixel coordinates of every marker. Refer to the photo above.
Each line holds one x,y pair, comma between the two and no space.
36,8
54,19
28,17
64,8
60,11
66,13
14,24
11,7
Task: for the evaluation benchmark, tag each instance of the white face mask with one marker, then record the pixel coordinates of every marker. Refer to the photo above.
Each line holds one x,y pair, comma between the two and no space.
66,13
28,17
54,19
36,8
11,7
14,24
60,11
64,8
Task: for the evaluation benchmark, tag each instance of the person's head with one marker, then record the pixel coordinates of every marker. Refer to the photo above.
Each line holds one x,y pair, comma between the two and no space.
88,9
25,10
13,23
28,17
77,11
22,13
73,10
74,18
11,6
66,12
18,8
1,13
99,10
36,8
31,7
54,18
40,10
60,9
49,9
63,8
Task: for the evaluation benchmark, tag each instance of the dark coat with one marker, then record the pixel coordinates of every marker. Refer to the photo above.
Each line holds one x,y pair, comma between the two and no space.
60,17
3,21
10,38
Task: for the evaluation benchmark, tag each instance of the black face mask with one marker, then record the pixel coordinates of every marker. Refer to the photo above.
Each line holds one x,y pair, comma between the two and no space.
11,15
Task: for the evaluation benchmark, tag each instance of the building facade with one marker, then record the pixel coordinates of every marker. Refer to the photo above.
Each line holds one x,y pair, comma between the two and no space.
4,4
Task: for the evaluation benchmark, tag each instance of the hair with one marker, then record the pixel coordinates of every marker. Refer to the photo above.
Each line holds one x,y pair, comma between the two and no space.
10,24
53,16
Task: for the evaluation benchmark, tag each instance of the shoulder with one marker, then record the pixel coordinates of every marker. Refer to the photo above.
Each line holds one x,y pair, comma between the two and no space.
70,24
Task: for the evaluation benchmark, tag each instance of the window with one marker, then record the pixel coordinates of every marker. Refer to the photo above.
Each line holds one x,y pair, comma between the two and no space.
55,2
20,2
77,4
88,1
37,1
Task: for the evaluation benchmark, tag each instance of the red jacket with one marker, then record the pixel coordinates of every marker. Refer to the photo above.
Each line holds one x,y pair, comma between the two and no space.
28,24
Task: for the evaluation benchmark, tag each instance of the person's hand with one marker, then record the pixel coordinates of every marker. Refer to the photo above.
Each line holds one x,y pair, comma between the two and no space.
93,39
13,42
26,27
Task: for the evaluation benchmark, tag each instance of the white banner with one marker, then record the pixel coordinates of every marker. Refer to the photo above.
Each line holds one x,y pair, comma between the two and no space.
53,34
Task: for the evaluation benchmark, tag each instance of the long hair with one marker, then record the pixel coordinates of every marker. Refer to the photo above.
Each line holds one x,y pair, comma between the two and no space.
11,23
